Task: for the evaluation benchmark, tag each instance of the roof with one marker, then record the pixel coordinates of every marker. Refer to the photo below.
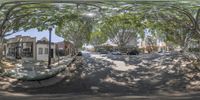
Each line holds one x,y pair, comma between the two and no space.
20,38
44,40
64,42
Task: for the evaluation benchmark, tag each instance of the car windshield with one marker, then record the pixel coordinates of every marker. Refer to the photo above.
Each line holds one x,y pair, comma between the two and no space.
99,49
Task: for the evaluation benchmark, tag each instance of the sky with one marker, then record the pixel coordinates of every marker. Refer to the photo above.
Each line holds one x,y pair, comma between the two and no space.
38,35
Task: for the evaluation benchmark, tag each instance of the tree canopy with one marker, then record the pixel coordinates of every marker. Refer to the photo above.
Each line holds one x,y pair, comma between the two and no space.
122,28
170,19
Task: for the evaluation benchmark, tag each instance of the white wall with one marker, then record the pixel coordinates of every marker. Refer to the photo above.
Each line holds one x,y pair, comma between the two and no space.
43,56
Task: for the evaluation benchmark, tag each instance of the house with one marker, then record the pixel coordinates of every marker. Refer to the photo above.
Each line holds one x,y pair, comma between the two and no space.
65,48
43,49
21,47
26,47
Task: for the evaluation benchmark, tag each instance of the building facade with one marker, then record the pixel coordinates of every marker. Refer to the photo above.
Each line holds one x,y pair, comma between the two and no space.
43,50
21,47
27,48
65,48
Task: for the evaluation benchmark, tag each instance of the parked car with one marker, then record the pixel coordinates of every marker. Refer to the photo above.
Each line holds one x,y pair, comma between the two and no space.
103,52
79,54
133,52
116,53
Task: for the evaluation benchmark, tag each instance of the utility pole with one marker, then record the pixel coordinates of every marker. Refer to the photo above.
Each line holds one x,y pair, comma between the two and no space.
49,55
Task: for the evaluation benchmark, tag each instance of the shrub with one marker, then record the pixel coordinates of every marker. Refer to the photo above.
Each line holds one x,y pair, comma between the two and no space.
7,74
194,49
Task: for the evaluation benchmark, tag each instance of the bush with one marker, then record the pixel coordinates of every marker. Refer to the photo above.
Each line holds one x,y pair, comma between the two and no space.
7,74
194,49
127,49
142,50
151,48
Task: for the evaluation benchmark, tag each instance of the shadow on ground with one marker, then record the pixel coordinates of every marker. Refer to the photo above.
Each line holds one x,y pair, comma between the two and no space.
174,75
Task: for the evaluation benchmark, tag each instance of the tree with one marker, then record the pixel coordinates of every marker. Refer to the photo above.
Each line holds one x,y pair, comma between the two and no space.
122,28
170,25
76,30
98,38
23,18
16,14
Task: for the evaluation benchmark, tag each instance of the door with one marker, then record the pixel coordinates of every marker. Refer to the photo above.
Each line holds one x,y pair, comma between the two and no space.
52,54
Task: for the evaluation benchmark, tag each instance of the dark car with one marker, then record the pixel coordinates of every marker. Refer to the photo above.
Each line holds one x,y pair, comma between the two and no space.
79,54
133,52
103,52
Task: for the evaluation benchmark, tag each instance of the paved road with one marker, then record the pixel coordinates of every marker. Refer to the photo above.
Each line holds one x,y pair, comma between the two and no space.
141,74
18,96
153,77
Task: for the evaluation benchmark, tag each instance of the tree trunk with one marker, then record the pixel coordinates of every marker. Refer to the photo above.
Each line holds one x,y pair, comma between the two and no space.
1,53
1,49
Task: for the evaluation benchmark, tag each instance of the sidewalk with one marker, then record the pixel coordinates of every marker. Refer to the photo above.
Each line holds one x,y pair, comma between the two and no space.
16,84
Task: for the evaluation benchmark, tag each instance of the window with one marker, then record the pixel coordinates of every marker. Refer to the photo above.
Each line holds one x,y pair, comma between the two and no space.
46,51
27,52
40,51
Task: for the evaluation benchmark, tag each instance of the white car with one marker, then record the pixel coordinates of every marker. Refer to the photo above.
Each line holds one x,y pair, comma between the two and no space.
116,53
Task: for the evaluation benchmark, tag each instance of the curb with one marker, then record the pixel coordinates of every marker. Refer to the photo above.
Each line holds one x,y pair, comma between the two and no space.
46,82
